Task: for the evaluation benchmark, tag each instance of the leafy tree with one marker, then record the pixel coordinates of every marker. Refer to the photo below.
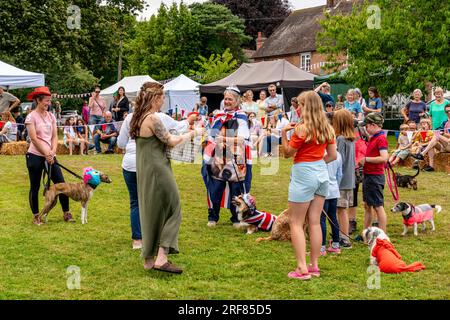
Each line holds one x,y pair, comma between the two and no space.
264,16
216,67
406,49
36,36
167,44
220,29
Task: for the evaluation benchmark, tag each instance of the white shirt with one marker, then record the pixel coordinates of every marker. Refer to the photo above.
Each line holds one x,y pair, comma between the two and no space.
335,174
125,142
11,132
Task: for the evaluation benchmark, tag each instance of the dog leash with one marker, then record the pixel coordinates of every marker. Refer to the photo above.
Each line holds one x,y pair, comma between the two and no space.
69,171
47,171
392,181
237,177
328,217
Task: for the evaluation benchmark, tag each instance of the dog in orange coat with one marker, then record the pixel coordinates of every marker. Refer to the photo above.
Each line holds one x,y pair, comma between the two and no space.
383,253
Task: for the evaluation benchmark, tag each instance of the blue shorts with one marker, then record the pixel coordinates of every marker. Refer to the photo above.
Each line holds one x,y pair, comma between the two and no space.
307,180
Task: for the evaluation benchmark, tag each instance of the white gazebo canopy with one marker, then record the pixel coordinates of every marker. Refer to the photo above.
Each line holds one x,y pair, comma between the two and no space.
14,78
131,84
181,93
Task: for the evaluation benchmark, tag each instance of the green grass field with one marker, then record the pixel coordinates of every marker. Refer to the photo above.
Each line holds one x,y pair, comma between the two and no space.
220,263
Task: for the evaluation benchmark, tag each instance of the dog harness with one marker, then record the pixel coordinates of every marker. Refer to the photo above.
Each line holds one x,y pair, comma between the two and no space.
390,261
421,213
91,177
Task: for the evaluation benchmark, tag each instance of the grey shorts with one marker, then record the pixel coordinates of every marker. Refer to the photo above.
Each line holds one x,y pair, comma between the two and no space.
346,199
402,154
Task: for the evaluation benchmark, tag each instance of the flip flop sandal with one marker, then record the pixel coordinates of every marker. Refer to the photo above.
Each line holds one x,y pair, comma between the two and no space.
299,276
169,267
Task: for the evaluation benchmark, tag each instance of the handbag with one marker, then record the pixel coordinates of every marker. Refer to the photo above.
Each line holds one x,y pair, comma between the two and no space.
185,152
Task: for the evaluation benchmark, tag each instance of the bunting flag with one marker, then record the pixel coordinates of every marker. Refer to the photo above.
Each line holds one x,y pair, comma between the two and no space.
91,128
71,96
409,134
289,115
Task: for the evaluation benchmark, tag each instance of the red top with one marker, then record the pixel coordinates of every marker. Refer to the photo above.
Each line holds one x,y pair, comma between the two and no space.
376,143
360,148
307,152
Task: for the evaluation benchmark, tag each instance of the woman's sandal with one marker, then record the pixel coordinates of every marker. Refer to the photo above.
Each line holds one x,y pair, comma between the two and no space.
168,267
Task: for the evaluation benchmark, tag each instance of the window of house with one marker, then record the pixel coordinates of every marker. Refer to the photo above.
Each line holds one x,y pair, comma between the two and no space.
305,61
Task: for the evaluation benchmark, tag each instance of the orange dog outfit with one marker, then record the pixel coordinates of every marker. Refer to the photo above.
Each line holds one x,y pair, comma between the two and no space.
390,261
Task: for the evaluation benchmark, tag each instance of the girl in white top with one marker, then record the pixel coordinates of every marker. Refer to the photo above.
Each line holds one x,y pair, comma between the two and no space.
70,135
248,105
9,130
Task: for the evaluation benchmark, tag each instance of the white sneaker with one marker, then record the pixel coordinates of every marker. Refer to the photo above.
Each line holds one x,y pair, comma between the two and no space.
211,224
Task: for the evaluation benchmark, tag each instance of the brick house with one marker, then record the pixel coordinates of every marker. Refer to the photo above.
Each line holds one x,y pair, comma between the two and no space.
295,39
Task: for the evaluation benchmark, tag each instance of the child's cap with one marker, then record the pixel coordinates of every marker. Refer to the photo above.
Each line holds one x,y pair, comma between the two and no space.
374,117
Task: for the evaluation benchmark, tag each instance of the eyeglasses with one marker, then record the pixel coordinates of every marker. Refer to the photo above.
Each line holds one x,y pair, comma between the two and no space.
97,91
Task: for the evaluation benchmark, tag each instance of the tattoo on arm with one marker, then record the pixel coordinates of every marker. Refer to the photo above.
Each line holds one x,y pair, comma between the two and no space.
159,130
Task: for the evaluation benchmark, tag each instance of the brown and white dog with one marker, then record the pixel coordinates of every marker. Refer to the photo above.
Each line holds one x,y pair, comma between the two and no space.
255,220
81,192
413,215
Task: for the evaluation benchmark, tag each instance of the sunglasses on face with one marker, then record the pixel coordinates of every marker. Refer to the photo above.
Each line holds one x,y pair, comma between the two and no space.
97,91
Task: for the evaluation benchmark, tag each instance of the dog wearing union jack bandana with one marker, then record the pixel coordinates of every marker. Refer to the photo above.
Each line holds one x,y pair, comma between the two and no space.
255,220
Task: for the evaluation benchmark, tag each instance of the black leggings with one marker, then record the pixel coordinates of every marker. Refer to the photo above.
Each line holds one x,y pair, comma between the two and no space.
36,165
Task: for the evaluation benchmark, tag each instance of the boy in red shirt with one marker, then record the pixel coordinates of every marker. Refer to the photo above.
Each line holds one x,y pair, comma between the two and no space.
373,168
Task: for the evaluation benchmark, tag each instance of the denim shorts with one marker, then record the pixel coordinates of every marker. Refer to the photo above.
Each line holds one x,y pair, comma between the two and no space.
307,180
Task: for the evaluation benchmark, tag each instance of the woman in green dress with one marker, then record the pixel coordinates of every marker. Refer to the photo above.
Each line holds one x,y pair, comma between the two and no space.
159,199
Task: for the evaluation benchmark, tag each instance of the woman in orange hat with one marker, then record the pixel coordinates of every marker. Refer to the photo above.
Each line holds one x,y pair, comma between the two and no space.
41,127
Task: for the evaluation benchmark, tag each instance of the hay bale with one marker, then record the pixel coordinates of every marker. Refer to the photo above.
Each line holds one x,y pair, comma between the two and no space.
14,148
441,161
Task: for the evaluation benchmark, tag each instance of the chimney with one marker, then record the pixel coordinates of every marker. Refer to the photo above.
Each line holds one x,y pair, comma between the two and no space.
260,40
330,3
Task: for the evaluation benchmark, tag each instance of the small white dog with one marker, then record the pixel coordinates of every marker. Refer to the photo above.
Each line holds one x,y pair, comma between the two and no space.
414,215
370,236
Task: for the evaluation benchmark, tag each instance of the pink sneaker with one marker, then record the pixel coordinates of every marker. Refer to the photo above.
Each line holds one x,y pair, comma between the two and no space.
315,272
334,250
296,275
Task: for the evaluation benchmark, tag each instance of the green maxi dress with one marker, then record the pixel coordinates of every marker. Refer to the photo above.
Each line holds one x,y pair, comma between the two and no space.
159,199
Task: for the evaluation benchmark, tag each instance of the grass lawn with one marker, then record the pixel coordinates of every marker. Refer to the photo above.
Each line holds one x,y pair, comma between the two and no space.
220,263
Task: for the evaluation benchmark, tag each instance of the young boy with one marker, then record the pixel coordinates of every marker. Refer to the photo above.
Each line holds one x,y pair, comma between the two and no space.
373,168
403,146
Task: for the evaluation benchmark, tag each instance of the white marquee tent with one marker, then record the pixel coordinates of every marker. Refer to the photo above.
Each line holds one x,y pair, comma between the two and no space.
181,93
132,86
13,78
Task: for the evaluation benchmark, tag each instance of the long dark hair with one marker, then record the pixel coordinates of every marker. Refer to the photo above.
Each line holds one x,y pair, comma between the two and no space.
144,102
124,92
375,92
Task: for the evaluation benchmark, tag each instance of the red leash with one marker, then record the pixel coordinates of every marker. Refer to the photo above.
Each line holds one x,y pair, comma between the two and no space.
392,181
